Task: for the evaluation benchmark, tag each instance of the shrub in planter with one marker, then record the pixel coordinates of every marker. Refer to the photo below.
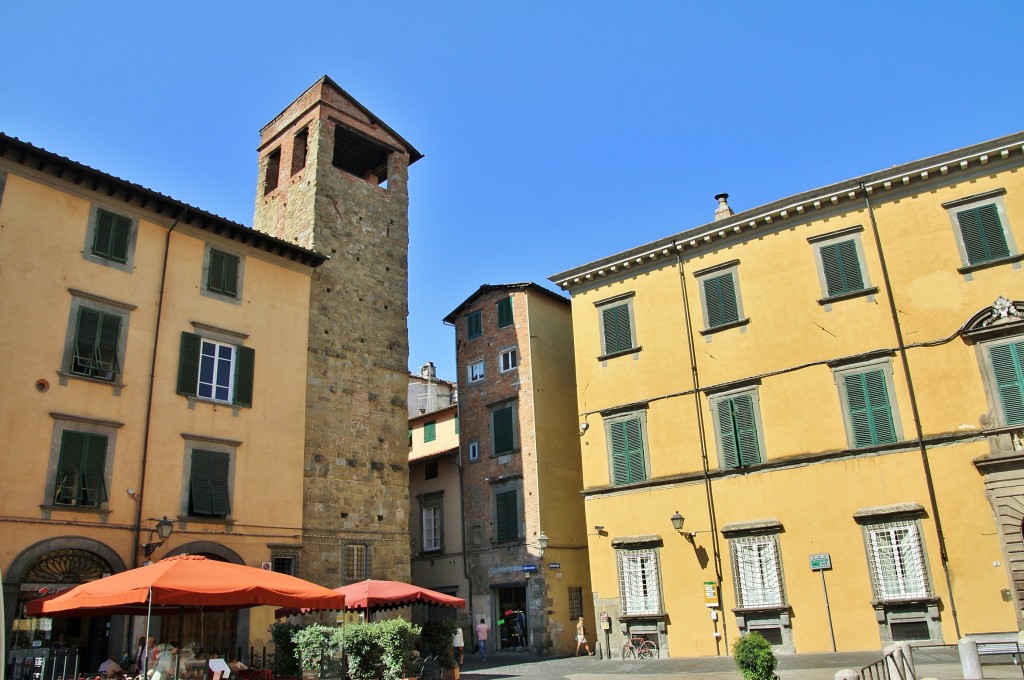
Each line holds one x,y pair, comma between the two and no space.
381,649
286,662
315,644
437,636
754,657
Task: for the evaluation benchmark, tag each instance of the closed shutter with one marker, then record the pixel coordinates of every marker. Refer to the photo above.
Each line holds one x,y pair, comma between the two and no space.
430,431
842,268
244,375
982,233
870,414
209,483
188,364
618,335
737,431
501,421
720,300
504,312
474,325
223,275
112,235
1006,365
627,452
507,520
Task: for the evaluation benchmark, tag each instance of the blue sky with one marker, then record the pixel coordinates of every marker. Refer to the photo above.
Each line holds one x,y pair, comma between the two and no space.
555,133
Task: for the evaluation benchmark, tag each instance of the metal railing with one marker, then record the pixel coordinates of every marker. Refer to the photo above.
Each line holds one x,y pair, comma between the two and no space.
895,664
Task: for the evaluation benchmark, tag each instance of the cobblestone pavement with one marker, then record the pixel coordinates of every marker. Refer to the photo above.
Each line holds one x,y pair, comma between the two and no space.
941,663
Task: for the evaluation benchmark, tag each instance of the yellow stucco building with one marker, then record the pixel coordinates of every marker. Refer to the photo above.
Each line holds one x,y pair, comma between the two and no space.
154,358
821,397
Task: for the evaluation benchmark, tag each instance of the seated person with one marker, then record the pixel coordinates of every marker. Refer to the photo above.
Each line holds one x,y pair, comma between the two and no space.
110,668
166,660
235,665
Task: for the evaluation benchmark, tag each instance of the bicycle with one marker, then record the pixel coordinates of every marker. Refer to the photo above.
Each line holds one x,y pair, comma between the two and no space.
639,647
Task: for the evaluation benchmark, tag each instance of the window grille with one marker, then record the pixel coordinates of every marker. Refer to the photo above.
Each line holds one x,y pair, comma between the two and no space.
575,603
639,582
897,561
757,573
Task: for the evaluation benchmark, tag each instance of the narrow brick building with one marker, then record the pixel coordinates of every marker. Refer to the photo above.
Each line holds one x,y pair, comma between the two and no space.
518,434
333,178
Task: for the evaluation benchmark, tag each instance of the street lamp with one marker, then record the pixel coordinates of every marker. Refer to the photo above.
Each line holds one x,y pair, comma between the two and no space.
163,530
677,524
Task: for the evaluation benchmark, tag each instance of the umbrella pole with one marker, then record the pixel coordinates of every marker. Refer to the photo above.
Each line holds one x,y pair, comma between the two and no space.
145,653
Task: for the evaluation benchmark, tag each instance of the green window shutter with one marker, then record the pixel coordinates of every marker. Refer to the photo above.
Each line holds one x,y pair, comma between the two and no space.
870,414
501,422
188,364
842,268
1006,365
112,235
223,274
244,375
617,333
720,299
627,452
96,339
474,325
80,469
505,312
737,431
983,235
209,483
429,431
507,520
456,423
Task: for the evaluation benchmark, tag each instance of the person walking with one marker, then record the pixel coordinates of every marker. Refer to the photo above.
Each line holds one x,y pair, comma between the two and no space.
483,631
458,645
581,638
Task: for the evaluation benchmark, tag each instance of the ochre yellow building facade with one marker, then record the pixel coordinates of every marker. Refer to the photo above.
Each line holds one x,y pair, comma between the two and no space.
822,396
155,363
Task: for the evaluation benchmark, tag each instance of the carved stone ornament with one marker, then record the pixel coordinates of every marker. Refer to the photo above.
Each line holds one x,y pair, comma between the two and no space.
1002,309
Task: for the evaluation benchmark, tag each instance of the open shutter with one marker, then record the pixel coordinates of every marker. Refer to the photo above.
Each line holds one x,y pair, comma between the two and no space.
85,341
507,509
244,373
94,490
617,333
727,434
620,454
72,447
199,484
106,365
841,267
188,364
982,234
1009,380
746,430
501,420
720,299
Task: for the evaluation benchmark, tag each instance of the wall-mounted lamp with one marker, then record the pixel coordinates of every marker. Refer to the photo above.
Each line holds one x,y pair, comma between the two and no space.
677,524
541,544
599,528
163,530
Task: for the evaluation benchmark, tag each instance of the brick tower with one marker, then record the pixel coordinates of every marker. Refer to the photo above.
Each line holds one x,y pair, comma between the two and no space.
333,177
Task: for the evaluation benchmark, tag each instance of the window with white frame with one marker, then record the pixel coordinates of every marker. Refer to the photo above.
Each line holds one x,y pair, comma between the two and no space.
432,521
215,370
508,360
757,572
983,229
639,581
474,450
476,371
896,558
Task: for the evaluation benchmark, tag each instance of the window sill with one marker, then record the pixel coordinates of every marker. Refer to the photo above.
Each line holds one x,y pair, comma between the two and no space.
505,453
116,384
899,602
435,552
621,352
764,609
184,520
967,269
641,617
847,296
56,507
193,400
725,326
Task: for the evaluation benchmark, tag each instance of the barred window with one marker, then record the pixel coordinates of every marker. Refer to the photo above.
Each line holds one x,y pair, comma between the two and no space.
284,564
575,603
639,588
755,563
897,561
357,562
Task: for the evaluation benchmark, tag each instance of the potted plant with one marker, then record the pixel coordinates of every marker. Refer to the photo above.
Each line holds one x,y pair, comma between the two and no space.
754,657
314,645
437,636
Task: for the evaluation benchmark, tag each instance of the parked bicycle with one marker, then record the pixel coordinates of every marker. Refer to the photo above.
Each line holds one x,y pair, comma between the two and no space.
639,647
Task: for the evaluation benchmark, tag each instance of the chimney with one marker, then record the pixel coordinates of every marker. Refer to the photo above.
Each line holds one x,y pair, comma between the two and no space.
723,210
428,370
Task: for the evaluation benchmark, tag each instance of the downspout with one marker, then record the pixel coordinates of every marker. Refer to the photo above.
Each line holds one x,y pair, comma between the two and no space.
918,430
709,493
462,513
149,399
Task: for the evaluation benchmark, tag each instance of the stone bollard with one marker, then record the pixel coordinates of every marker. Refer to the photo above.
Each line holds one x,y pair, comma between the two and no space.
847,674
598,650
893,661
970,662
906,652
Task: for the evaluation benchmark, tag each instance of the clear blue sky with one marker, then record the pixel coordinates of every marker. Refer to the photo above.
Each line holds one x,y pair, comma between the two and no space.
555,133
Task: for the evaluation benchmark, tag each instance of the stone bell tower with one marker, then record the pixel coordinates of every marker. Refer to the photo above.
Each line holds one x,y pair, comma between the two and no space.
333,177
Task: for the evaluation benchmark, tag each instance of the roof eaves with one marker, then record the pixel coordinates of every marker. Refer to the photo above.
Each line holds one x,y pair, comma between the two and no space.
489,287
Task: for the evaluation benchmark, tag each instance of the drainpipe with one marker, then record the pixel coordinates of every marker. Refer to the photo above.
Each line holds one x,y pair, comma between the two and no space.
709,493
149,400
918,430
